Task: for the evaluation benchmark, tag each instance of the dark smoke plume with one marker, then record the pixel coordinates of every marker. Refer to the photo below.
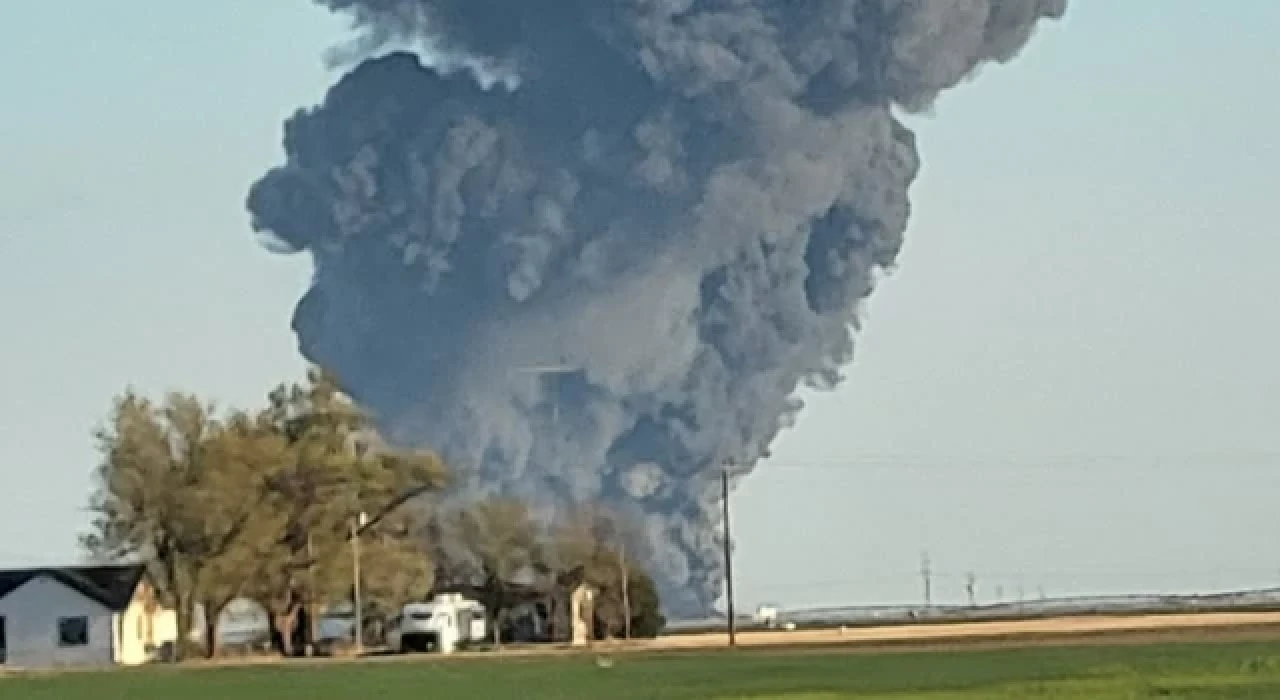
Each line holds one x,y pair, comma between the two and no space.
590,249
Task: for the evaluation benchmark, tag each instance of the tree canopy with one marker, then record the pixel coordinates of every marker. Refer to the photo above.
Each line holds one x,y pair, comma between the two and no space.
260,505
264,504
185,492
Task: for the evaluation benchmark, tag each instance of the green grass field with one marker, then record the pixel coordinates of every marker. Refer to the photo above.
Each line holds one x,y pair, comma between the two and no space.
1224,671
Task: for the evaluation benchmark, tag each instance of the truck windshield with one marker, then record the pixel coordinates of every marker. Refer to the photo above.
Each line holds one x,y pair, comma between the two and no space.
420,615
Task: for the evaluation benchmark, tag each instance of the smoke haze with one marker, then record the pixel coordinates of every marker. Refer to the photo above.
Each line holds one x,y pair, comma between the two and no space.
590,249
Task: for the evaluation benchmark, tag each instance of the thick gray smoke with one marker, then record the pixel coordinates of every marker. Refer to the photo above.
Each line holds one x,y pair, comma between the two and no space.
590,249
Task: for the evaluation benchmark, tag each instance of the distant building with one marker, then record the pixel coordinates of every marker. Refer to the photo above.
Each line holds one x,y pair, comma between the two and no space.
558,610
81,616
582,598
562,614
767,615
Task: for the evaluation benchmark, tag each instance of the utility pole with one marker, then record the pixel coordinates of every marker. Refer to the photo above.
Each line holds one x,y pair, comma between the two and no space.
361,521
970,586
309,606
926,575
626,597
728,556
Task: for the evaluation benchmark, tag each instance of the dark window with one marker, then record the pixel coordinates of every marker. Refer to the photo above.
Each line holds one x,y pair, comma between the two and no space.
73,631
4,642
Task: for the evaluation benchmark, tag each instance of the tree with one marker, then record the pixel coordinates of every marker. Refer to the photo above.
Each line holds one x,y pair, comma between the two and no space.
393,567
496,543
258,454
647,620
599,548
336,468
180,490
258,505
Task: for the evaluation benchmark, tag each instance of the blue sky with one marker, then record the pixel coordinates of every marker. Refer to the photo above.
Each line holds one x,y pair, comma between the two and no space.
1070,383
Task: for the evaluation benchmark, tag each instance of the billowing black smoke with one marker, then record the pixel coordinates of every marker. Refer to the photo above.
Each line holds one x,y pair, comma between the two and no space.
589,249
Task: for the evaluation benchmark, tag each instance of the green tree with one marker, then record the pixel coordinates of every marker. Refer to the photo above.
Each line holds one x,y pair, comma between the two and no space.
647,620
259,453
394,569
336,469
181,490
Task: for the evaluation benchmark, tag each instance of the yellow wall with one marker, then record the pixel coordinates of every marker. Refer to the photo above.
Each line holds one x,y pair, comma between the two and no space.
143,628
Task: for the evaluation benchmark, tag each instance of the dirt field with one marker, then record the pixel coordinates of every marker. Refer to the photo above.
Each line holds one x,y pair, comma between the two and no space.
1057,629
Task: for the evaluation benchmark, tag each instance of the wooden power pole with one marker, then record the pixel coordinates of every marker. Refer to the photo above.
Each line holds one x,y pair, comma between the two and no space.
626,585
728,557
926,574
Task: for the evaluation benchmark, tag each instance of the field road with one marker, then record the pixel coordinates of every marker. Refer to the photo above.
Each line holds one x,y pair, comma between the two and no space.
955,632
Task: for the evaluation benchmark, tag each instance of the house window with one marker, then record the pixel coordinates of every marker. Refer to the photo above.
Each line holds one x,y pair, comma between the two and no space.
4,641
73,631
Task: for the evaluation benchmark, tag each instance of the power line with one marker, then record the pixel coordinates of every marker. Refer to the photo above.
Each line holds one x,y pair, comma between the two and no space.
930,575
1267,463
1035,473
1048,458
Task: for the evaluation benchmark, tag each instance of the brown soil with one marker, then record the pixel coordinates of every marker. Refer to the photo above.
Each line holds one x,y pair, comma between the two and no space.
1142,627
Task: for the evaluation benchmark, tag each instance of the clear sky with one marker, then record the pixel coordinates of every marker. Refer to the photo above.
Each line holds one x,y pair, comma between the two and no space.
1071,383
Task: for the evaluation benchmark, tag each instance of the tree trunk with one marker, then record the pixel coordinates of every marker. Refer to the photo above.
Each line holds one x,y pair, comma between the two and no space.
553,618
275,634
212,645
303,624
286,624
313,625
283,629
185,613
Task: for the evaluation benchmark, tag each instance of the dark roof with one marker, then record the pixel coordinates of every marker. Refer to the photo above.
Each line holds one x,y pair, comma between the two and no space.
113,586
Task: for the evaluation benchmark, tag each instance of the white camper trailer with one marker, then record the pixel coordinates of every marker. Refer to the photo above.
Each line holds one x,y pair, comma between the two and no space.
445,624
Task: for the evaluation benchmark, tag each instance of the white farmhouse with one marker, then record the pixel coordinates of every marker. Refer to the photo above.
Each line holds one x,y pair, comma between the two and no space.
81,616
